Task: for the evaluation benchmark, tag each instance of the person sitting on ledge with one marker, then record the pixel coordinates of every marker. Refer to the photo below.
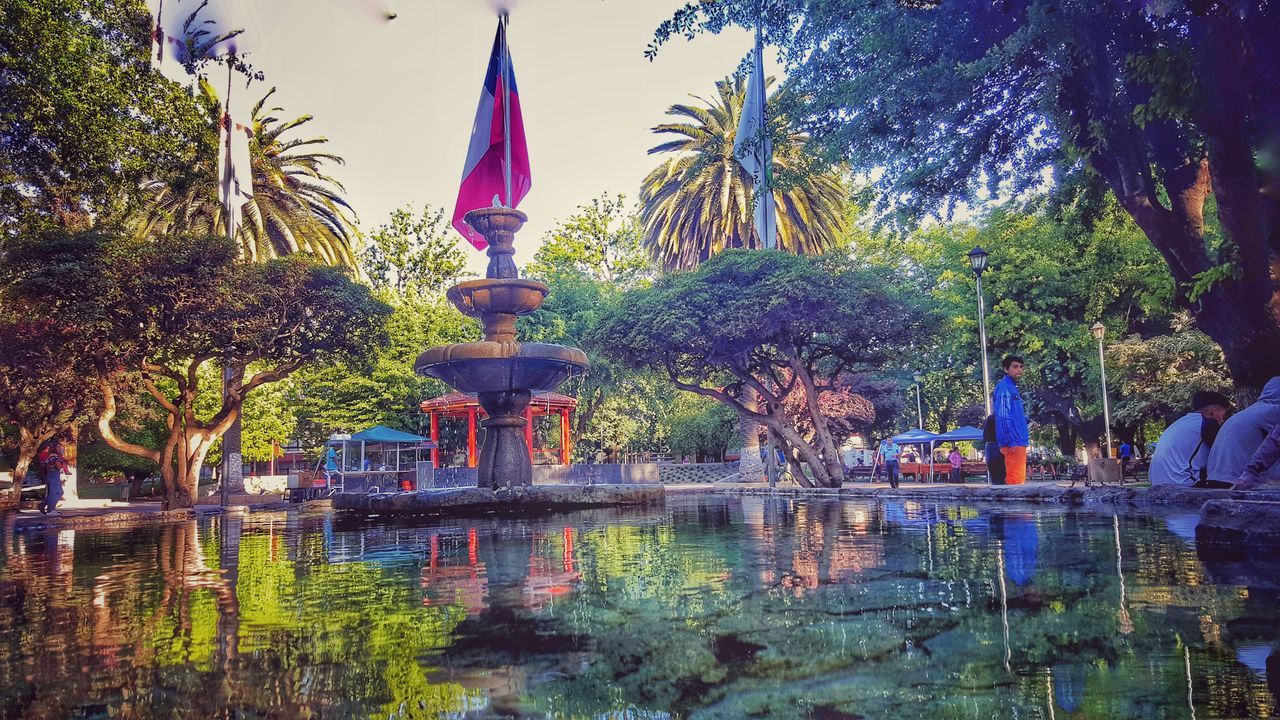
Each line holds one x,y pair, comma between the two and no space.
1182,452
1263,460
1242,435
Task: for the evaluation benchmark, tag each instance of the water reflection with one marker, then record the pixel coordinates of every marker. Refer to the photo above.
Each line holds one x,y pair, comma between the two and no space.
711,608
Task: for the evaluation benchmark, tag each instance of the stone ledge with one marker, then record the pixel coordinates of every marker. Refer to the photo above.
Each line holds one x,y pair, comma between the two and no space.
507,500
1251,523
1163,495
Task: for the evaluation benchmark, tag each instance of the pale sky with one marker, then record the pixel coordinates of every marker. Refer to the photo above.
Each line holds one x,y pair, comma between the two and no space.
396,99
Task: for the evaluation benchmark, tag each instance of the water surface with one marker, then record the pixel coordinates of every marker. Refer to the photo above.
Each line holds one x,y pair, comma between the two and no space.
713,607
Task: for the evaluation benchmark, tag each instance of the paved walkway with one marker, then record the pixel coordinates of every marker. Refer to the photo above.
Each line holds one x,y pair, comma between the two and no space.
104,513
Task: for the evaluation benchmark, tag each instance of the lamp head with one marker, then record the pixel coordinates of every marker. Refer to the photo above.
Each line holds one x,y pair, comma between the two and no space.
1099,330
978,260
918,377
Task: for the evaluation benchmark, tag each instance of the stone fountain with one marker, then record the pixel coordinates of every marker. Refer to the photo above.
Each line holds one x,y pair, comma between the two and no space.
502,372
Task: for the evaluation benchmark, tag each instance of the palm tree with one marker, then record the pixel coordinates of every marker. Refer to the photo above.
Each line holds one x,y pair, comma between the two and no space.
700,202
295,207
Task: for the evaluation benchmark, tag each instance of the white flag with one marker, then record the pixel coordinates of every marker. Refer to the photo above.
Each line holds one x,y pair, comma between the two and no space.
754,150
235,171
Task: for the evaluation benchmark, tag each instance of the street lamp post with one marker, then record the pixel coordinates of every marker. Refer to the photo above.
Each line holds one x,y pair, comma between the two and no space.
978,261
1100,331
919,378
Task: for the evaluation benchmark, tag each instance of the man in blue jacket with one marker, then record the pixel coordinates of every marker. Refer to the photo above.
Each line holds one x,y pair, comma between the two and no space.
1012,434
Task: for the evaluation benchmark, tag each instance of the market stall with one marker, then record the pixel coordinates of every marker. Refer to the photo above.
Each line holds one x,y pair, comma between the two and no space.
376,459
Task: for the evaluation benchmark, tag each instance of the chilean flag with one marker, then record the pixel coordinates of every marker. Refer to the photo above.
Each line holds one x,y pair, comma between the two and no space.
483,174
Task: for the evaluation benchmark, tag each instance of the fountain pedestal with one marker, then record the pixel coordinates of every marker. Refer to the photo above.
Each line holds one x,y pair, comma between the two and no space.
500,371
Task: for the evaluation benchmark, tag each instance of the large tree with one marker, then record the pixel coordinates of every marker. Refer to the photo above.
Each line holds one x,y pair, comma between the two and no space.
1174,106
44,389
767,323
166,309
700,202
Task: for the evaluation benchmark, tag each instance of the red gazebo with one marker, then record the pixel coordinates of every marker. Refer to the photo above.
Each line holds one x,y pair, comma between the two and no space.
458,405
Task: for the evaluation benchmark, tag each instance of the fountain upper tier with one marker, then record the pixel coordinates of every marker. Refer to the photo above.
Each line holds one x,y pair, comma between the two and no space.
500,363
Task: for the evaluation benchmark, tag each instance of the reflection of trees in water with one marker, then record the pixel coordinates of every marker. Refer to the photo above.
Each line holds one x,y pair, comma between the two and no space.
729,607
175,623
848,605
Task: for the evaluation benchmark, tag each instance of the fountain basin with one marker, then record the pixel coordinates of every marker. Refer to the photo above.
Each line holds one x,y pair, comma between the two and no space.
488,366
476,298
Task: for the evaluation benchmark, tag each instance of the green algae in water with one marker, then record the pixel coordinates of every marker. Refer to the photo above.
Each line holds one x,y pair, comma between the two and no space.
712,608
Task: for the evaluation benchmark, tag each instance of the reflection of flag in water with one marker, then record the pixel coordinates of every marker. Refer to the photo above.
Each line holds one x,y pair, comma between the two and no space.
754,150
486,169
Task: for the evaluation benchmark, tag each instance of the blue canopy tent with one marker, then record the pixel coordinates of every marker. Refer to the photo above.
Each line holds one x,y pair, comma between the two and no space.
378,457
960,434
964,433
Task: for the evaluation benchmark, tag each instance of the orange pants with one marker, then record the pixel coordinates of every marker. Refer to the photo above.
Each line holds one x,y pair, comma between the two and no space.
1015,465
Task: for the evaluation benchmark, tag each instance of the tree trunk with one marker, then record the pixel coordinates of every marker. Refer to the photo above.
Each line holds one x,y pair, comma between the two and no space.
806,453
232,458
830,456
1066,438
750,466
28,446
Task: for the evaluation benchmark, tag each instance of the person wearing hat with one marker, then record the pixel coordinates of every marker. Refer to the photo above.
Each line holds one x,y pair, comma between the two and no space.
1182,452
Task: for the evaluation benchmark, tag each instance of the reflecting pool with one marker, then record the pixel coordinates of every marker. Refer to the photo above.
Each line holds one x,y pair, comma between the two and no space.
714,607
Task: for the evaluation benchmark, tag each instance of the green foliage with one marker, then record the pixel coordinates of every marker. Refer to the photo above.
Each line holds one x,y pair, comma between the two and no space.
588,260
603,241
412,255
1051,276
83,118
767,322
703,429
384,390
1158,375
1169,105
700,202
410,260
165,310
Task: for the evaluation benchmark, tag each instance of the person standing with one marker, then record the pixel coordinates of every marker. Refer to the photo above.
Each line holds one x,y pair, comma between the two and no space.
1126,453
1012,434
52,465
1182,452
957,465
889,455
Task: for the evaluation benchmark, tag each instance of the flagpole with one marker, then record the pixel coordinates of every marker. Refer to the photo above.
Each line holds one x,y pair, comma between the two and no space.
769,240
224,490
505,20
226,179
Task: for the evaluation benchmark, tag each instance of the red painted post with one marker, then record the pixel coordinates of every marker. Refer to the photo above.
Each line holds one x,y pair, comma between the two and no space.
435,439
471,437
564,436
528,430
